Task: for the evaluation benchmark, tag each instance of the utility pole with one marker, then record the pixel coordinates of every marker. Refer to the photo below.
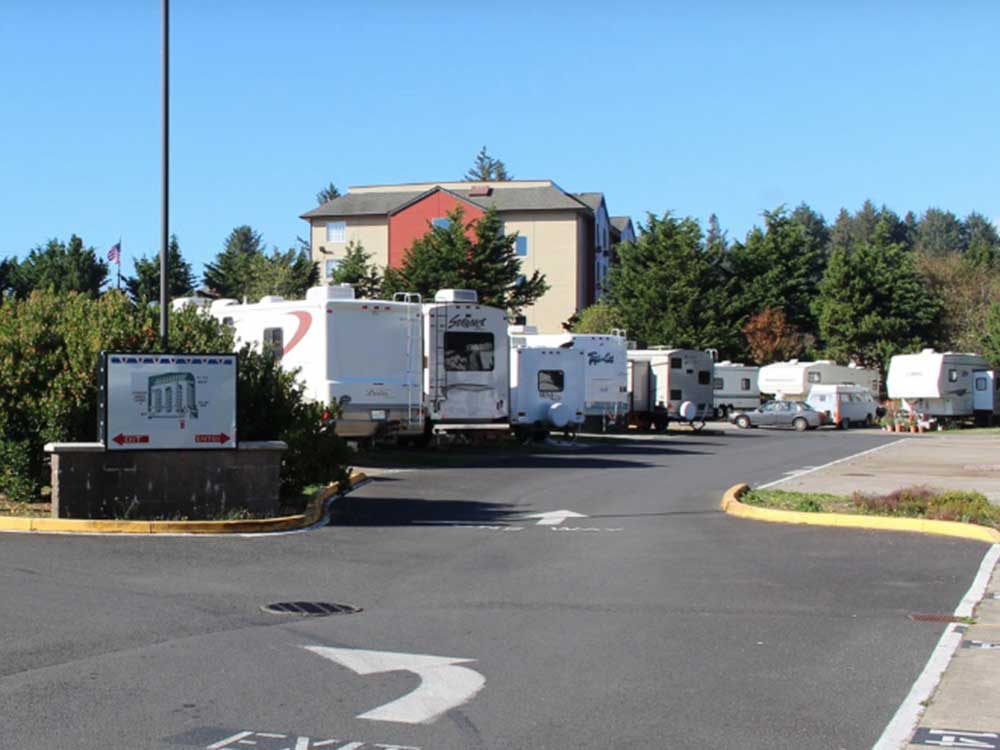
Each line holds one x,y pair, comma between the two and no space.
165,181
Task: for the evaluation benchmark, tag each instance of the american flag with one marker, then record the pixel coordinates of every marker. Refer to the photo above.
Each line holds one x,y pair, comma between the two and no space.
115,253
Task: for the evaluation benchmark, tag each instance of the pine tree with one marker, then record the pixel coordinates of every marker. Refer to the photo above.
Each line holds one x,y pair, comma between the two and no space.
671,290
145,285
327,194
231,273
715,236
487,169
873,303
447,258
941,233
61,268
356,270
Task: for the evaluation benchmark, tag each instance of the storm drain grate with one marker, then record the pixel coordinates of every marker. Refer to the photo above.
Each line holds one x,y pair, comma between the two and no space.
310,609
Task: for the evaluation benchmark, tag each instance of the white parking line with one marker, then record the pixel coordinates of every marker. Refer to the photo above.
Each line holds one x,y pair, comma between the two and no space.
810,469
902,724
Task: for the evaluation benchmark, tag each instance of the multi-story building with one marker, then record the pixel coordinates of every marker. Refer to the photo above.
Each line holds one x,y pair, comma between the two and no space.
563,235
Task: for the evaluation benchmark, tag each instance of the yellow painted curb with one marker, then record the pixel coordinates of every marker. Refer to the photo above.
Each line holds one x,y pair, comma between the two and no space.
312,515
731,504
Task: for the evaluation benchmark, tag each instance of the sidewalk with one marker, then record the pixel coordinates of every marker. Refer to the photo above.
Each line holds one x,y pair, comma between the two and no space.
962,709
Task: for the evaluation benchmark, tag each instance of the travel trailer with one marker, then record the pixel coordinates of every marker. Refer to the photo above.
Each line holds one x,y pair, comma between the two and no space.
466,363
735,387
363,355
605,374
945,385
844,405
679,386
791,380
546,389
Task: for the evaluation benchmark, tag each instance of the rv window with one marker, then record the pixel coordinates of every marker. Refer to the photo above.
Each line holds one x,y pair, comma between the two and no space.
815,377
980,384
704,377
227,321
468,351
745,384
550,381
952,376
274,341
676,395
718,385
676,363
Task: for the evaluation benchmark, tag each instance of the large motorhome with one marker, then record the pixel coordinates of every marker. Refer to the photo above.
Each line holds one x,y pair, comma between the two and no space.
735,386
546,388
605,374
791,380
467,362
672,378
945,384
363,355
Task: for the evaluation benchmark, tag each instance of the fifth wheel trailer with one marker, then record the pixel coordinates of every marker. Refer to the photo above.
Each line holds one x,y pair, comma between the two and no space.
792,380
945,385
678,386
735,386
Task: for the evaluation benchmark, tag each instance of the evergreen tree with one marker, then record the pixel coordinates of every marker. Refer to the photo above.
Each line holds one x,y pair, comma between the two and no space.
715,236
327,194
873,303
670,289
941,233
8,274
62,268
600,317
231,273
446,258
982,237
145,285
817,232
286,274
487,169
990,339
779,267
356,270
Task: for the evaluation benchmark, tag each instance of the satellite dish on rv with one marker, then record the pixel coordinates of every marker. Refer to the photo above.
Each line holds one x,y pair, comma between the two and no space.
687,411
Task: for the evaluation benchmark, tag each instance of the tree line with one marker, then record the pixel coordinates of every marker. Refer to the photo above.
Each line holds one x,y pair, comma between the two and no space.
868,286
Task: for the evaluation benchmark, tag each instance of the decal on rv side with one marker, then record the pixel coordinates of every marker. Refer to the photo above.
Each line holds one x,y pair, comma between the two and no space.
596,358
305,321
378,392
459,321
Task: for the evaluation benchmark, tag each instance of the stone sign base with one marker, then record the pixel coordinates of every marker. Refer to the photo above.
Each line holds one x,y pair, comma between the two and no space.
90,482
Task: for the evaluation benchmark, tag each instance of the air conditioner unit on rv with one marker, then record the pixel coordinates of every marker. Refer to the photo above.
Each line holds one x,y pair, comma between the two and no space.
457,295
326,293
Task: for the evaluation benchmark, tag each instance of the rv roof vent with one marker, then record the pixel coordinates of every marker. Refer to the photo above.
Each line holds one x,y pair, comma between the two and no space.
927,351
793,361
456,295
326,293
224,302
270,299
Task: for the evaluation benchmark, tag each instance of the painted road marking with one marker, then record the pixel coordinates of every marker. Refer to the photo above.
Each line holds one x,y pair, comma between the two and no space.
276,741
988,645
897,732
496,527
554,517
444,684
957,738
802,472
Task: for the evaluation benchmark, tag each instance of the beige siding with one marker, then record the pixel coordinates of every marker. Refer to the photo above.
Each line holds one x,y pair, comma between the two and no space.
371,232
552,250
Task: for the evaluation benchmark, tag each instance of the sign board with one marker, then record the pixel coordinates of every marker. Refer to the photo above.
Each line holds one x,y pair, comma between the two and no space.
168,401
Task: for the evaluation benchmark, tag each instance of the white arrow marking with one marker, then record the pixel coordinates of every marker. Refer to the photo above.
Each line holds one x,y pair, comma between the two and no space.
443,684
555,517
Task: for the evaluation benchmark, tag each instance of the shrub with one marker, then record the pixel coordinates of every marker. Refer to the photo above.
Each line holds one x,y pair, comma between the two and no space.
923,502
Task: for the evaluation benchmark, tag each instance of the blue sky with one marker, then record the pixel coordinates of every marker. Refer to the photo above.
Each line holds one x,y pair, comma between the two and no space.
726,107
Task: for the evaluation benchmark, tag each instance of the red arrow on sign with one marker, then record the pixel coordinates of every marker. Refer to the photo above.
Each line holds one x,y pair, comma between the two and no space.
220,438
123,439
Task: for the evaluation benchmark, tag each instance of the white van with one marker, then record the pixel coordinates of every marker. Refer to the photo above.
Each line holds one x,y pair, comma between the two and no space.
843,405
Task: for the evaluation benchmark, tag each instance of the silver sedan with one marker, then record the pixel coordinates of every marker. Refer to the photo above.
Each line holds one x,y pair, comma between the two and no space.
795,414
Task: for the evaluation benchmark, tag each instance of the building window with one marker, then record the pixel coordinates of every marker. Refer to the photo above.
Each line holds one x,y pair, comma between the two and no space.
551,381
470,351
521,246
336,231
274,342
441,222
332,264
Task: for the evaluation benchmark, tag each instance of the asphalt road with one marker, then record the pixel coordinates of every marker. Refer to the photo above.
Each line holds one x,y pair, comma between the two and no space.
654,622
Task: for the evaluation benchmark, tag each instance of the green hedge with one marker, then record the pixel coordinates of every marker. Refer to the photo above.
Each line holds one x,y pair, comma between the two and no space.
49,347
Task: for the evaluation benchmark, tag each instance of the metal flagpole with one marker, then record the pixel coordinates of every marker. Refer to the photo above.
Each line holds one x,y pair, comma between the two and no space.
165,172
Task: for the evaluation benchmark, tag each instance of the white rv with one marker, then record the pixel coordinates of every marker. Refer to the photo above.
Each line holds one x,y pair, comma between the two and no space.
605,375
945,384
546,388
792,380
675,377
466,362
735,386
364,355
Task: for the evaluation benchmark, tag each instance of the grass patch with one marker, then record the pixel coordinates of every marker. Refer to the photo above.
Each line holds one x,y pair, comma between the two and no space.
911,502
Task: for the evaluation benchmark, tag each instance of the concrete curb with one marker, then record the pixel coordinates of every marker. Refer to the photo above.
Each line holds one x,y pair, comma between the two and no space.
731,504
312,515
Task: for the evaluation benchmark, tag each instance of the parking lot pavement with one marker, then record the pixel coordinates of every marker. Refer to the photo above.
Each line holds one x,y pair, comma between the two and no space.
958,461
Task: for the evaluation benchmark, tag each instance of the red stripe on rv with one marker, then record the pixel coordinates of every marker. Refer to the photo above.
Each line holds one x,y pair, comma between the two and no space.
305,321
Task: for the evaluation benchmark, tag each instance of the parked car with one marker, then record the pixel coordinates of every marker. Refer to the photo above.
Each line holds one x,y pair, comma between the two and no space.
796,414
